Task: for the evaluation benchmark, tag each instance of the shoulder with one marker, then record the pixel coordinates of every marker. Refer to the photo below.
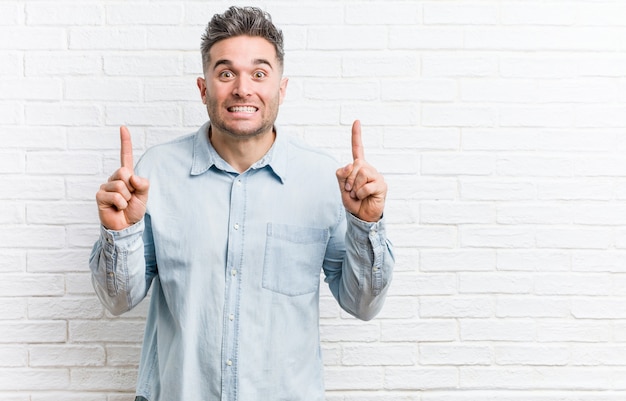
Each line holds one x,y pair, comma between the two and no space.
174,150
300,150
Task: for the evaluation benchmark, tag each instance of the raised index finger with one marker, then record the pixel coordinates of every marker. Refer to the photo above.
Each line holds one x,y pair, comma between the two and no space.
126,151
357,143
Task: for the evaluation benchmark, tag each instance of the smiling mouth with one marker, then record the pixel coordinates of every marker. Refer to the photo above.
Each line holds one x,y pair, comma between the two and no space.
242,109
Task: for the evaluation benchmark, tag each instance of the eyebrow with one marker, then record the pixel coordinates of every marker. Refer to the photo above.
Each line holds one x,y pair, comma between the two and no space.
229,63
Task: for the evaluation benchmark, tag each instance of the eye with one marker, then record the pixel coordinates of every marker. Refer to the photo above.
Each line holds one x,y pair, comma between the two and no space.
226,74
259,75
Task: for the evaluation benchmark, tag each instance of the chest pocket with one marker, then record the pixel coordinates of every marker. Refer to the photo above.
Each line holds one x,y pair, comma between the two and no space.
293,258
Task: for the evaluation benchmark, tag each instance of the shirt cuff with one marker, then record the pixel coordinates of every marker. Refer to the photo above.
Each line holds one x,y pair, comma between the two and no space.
122,239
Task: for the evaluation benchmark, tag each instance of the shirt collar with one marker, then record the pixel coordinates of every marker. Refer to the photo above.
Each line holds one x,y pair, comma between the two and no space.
205,156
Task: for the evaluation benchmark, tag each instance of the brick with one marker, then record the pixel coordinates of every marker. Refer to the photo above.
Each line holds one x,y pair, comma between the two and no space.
458,307
422,284
32,188
511,330
458,164
11,113
64,114
346,378
341,37
144,65
553,355
107,38
42,13
307,14
367,332
30,89
41,138
46,237
119,90
29,38
123,355
459,65
13,261
20,285
499,189
424,139
379,355
421,378
13,356
425,90
34,379
12,162
495,283
387,13
144,14
564,331
425,236
62,163
588,238
173,38
460,14
61,63
445,115
547,38
341,89
107,331
497,237
418,38
64,308
142,115
66,355
455,354
457,260
33,332
532,307
11,63
89,379
57,261
360,64
380,114
12,309
533,260
423,330
536,13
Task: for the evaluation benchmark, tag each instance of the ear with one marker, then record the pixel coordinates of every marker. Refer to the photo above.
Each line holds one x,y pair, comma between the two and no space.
283,89
202,87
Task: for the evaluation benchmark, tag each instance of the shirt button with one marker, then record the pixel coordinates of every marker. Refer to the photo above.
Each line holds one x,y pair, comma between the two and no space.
238,183
233,272
375,269
231,317
229,362
236,226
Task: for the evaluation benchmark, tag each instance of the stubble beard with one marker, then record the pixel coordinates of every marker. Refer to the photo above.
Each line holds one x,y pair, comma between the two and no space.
266,126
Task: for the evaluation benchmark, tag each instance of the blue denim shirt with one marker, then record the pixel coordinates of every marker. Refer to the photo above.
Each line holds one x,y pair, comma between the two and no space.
234,261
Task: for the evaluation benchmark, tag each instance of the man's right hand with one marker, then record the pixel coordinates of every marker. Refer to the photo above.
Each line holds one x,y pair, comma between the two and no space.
122,199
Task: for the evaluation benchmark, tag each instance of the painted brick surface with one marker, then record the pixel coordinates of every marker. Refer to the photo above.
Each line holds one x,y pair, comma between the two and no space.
500,128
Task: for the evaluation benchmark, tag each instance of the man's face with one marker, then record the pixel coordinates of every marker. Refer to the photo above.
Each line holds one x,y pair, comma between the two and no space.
243,86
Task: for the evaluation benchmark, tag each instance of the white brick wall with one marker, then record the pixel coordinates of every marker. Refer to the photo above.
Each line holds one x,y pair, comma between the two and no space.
500,126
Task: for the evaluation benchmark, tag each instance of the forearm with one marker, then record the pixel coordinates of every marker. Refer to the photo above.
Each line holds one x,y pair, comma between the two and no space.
366,270
118,268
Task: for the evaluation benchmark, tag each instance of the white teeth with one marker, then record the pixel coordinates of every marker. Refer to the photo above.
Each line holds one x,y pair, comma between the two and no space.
243,109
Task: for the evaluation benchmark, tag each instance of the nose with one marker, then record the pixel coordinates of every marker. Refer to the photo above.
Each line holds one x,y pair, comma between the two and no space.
242,88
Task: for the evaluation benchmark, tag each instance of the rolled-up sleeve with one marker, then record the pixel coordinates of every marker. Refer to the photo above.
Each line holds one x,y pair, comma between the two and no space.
119,272
360,278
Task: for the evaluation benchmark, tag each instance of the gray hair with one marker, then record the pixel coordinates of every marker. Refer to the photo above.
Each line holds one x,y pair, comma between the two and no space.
238,21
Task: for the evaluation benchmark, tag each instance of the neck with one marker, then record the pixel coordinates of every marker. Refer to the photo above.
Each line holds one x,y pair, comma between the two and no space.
241,153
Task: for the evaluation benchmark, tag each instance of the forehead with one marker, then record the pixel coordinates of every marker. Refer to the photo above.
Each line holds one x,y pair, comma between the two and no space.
242,50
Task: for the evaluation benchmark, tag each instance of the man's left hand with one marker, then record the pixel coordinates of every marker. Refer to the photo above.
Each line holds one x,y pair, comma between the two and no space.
363,188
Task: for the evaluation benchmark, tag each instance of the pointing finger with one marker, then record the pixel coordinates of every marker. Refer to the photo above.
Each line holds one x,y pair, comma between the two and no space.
126,151
357,143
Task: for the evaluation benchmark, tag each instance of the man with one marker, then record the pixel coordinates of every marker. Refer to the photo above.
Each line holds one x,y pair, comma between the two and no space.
239,222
